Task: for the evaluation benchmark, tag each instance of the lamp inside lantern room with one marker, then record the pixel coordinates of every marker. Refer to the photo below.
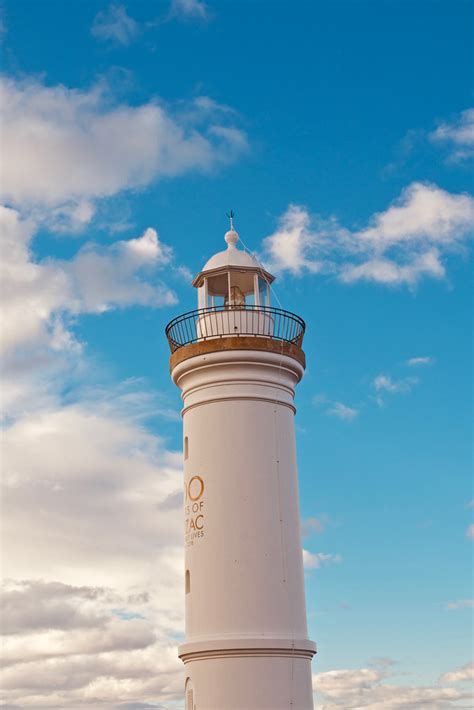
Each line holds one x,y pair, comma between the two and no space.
235,298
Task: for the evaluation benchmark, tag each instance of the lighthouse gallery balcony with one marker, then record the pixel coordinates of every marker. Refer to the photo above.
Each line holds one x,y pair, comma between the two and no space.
241,321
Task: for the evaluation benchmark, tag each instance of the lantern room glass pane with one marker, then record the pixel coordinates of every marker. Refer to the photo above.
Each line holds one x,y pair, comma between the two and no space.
263,292
236,296
217,300
202,300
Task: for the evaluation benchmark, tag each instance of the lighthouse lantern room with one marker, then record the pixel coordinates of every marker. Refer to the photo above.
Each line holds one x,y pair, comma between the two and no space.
233,278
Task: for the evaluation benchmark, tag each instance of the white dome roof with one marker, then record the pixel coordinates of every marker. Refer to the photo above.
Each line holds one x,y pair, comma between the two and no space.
231,256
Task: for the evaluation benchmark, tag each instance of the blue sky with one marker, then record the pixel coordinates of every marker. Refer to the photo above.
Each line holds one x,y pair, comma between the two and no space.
342,134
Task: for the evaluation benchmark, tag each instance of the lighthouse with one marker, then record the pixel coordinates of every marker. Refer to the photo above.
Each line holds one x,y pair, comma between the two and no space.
237,360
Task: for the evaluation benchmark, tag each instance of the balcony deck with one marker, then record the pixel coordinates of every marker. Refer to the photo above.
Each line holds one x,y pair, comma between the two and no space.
239,327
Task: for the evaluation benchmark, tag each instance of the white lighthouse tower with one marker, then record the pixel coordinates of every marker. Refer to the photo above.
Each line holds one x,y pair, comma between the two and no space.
237,361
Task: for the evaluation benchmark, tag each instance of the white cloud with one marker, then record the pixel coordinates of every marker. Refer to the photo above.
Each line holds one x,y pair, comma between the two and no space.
293,246
470,532
388,272
460,604
342,411
91,532
83,652
313,525
72,472
423,214
458,135
406,242
189,9
114,24
92,553
415,361
315,560
112,277
338,681
39,298
384,383
65,148
335,409
367,688
32,294
382,662
462,674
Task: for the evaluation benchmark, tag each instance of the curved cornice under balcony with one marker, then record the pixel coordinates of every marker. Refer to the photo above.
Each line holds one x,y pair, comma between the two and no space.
237,342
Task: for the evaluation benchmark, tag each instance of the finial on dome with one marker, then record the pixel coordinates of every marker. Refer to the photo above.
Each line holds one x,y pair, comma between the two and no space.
231,236
231,215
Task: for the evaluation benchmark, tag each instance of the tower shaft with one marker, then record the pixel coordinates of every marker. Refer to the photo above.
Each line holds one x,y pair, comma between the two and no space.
246,642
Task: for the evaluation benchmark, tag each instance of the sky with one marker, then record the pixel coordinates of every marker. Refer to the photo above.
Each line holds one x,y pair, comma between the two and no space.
342,135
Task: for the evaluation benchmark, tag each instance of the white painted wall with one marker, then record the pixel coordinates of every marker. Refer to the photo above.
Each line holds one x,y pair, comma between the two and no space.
246,636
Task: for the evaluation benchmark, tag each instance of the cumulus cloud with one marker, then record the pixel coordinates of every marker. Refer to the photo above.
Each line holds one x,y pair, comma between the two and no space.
315,560
342,411
34,605
470,532
91,499
387,271
458,135
100,666
423,214
189,9
115,25
296,246
92,557
70,473
462,674
314,525
384,384
111,277
367,688
335,409
406,242
338,681
460,604
39,297
65,148
415,361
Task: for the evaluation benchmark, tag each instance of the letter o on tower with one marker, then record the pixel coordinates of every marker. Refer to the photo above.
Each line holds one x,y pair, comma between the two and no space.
195,491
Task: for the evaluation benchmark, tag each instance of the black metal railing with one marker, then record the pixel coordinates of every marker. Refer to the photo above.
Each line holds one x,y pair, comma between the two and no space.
224,321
